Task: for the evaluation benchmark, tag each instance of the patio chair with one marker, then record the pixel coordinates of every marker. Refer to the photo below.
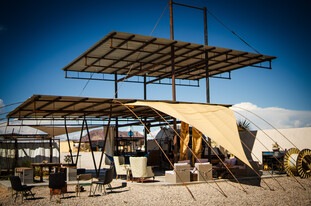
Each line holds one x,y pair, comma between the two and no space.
121,168
57,184
183,170
106,179
140,169
84,177
24,190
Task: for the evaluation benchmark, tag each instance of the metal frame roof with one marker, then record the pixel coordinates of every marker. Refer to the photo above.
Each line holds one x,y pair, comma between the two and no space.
132,55
46,107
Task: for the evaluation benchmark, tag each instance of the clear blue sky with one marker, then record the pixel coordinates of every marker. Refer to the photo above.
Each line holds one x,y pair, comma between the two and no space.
38,38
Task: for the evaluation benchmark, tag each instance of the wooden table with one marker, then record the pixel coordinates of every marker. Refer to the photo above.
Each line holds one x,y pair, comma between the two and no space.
49,165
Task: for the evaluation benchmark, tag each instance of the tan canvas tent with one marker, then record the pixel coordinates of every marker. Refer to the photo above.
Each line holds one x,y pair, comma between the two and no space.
216,122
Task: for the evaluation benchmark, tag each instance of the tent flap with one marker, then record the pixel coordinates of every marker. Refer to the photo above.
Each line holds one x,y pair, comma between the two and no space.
216,122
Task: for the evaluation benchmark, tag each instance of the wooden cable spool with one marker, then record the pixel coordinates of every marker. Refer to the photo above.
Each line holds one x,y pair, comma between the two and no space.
304,163
290,160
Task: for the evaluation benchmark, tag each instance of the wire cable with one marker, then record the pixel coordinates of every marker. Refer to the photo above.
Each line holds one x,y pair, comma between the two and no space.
217,19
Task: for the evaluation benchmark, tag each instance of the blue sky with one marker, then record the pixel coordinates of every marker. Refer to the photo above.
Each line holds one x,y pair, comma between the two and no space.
38,38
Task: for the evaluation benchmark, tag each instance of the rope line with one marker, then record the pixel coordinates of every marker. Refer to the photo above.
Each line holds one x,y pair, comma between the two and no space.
10,104
158,20
232,31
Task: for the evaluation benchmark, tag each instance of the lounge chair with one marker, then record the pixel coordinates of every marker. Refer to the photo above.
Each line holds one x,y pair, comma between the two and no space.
121,168
24,190
183,170
140,169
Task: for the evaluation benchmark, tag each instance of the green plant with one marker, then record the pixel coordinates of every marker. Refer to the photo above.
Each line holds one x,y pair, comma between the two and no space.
243,124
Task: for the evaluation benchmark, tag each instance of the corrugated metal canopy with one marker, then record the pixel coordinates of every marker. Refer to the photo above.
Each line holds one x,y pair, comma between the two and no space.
120,53
53,107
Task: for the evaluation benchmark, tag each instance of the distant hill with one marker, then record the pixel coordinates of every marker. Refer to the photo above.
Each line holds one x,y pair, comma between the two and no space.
99,135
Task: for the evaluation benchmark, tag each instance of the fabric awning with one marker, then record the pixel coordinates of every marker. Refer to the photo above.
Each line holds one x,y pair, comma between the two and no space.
56,131
216,122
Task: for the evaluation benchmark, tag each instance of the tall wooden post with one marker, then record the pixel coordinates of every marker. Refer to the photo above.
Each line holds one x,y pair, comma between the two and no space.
175,152
145,120
209,153
117,122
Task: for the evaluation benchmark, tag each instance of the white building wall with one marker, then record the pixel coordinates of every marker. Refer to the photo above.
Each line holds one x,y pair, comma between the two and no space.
300,137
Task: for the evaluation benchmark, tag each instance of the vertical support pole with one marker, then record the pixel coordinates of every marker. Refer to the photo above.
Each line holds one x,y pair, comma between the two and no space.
16,153
90,141
80,143
70,151
51,150
209,153
117,122
145,87
175,152
145,120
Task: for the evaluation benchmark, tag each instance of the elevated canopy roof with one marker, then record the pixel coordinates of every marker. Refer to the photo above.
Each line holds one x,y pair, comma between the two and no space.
58,107
137,55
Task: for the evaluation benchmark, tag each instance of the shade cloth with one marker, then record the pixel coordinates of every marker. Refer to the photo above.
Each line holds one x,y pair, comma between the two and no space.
216,122
56,131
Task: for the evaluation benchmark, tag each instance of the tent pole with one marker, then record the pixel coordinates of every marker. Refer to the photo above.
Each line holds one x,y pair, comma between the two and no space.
105,140
70,151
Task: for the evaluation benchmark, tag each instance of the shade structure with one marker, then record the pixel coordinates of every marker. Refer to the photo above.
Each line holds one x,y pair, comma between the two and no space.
216,122
56,131
132,55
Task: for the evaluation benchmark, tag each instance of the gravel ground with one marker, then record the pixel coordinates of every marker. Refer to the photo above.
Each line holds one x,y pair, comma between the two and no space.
205,194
